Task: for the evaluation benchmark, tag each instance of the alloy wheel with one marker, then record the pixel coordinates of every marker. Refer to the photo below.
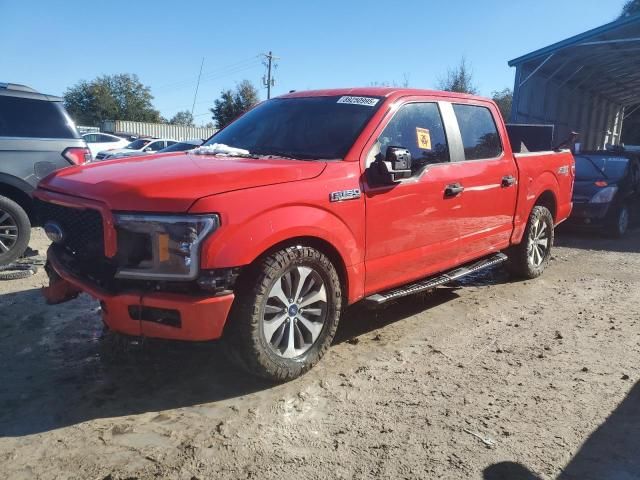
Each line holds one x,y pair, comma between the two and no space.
538,242
295,312
8,232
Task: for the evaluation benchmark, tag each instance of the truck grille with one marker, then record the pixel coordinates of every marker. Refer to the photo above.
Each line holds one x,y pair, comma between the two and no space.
83,234
82,247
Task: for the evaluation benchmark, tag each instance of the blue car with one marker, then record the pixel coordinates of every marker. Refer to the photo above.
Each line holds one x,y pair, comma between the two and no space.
606,192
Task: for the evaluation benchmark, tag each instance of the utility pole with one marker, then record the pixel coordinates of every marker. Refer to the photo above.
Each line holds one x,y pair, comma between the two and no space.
268,81
197,86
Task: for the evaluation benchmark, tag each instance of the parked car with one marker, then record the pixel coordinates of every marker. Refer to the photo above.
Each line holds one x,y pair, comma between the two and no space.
103,141
606,195
183,146
141,145
305,204
36,138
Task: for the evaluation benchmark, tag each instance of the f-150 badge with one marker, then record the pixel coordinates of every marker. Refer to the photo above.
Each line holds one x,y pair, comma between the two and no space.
342,195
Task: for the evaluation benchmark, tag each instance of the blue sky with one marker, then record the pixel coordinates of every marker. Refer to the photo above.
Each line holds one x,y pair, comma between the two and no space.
50,45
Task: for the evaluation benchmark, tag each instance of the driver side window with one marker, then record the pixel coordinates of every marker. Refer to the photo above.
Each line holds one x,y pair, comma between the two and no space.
417,127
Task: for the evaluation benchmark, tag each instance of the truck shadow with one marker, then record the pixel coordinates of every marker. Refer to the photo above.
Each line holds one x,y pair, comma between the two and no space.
60,368
612,451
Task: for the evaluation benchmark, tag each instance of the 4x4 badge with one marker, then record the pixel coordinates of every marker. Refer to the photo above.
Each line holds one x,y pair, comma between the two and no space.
342,195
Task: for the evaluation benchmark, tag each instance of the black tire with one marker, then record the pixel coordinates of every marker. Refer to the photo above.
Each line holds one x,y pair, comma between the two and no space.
523,261
618,224
14,222
17,271
244,335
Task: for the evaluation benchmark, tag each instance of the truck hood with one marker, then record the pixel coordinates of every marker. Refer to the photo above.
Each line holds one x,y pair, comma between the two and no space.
172,182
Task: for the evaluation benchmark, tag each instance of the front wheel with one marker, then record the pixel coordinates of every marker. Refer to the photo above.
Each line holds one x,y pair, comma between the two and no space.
619,223
530,258
15,230
285,314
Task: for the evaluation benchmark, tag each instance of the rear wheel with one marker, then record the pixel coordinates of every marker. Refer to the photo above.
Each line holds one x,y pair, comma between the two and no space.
15,230
531,256
620,222
285,314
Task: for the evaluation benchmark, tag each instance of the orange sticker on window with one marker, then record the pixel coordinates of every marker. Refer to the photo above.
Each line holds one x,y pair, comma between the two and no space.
424,138
163,247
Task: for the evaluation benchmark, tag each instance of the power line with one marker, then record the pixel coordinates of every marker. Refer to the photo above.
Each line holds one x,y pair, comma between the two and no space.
183,106
187,82
197,85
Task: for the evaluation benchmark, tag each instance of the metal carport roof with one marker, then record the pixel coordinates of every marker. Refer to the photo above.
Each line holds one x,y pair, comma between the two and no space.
582,83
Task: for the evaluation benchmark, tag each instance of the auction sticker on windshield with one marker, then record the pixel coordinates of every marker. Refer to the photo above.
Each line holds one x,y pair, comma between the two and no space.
366,101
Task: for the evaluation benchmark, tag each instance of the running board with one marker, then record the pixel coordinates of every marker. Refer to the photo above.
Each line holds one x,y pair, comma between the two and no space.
432,282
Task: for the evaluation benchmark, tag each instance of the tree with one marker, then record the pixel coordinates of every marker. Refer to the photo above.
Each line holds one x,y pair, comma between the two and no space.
233,103
110,97
458,79
504,99
630,8
182,118
404,83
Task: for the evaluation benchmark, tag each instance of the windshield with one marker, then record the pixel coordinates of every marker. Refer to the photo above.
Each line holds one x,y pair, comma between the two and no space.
594,167
304,127
137,144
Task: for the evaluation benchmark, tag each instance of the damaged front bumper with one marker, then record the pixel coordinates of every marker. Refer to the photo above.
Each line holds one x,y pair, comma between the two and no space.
151,314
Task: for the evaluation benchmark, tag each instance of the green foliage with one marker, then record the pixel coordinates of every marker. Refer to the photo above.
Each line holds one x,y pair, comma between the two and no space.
458,79
504,100
632,7
233,103
182,118
110,97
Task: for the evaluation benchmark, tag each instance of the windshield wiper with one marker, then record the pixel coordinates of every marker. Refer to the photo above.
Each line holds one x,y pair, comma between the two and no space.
595,165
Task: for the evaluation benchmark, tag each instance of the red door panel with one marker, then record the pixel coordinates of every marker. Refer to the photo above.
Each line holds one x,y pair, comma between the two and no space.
488,207
411,229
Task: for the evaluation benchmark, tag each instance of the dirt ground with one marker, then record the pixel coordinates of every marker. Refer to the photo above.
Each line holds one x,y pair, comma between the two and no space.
494,380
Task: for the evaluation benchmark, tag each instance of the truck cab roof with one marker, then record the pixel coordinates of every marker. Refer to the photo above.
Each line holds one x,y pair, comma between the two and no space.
384,92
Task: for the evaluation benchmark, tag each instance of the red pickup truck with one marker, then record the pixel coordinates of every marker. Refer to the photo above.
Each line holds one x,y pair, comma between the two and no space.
306,204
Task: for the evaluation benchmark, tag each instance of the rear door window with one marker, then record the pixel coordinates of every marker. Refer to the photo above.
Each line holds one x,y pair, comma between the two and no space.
479,132
417,127
26,117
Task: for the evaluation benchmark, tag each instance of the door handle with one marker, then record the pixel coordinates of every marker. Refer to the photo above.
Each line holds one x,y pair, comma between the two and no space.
508,181
453,190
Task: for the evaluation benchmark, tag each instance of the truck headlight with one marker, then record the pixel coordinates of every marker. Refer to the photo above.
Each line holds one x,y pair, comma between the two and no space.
161,247
604,196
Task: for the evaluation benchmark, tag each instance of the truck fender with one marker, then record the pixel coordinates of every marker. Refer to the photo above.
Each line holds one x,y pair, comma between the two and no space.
16,183
241,243
17,190
543,188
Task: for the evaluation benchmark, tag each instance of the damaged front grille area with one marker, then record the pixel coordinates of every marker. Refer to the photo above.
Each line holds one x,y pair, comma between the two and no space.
81,230
81,251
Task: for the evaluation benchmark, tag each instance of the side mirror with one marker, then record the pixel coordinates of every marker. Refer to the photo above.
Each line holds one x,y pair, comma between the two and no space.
147,149
395,166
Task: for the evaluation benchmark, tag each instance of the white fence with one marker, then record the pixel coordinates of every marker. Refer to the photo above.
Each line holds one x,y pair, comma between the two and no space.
158,130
